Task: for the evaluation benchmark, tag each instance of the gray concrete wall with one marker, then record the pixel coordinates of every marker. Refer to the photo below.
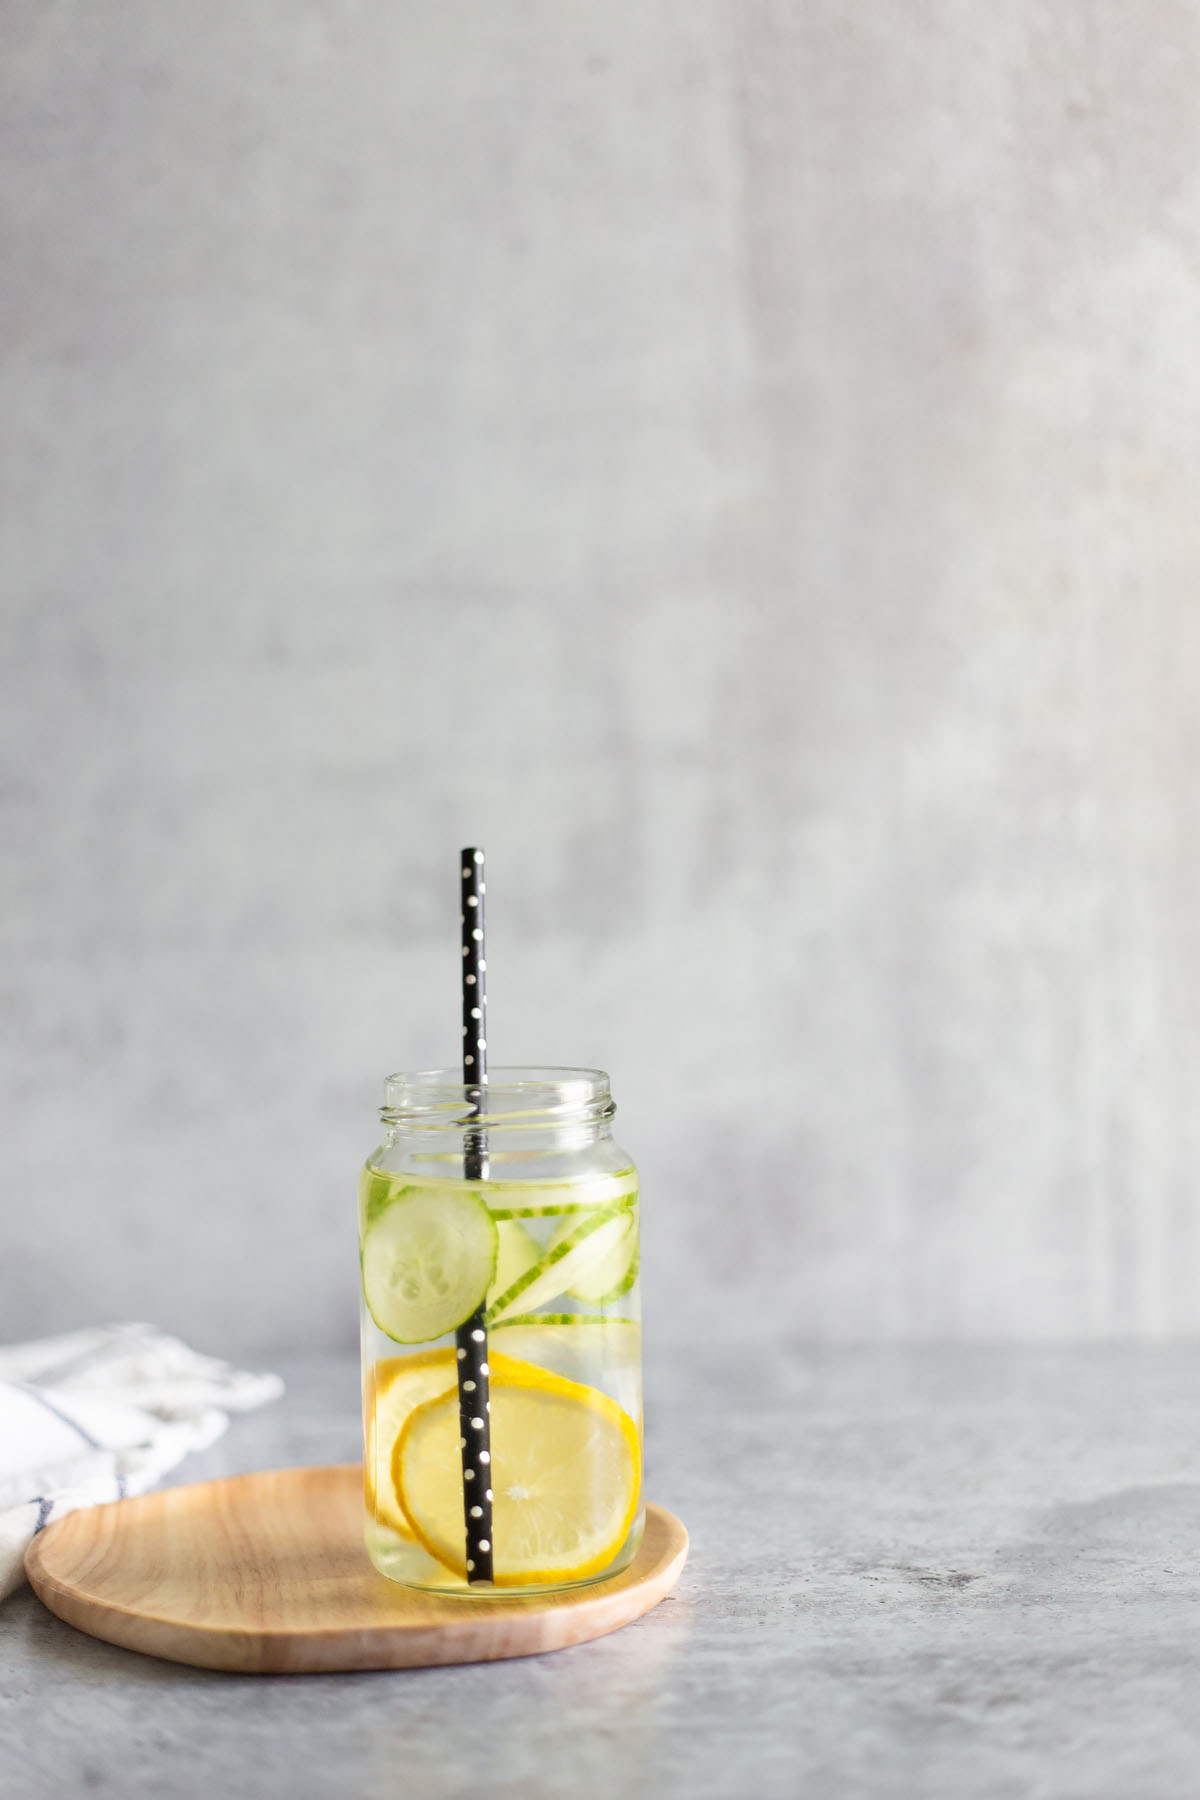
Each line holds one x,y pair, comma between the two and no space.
739,463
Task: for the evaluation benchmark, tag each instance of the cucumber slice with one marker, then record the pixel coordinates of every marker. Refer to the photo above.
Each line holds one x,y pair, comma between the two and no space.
548,1212
600,1320
519,1250
428,1259
584,1242
374,1192
505,1199
558,1199
610,1275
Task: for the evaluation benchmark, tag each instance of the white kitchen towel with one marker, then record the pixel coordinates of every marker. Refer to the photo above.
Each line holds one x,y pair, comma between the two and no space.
99,1414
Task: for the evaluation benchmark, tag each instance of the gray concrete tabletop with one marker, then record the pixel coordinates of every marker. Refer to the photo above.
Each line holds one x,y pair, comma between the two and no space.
927,1573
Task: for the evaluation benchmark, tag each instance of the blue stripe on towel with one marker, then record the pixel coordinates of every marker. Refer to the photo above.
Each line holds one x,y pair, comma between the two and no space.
64,1418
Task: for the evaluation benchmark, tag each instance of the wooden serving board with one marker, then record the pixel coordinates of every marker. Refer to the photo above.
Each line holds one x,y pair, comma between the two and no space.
267,1573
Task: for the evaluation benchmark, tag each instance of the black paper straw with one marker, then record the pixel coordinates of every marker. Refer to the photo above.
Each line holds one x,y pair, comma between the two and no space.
475,1430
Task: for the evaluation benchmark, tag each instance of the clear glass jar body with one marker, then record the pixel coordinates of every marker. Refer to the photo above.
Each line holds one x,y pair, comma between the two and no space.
563,1332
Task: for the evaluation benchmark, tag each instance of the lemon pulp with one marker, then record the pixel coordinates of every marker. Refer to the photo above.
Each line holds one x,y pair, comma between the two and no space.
566,1476
393,1387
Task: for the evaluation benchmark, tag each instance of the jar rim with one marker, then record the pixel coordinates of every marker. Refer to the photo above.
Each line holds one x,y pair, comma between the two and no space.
514,1096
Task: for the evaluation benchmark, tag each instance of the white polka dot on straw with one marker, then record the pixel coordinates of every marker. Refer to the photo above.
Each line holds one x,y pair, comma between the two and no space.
474,1404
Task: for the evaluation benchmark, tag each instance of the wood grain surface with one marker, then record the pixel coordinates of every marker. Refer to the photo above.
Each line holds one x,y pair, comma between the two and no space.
267,1573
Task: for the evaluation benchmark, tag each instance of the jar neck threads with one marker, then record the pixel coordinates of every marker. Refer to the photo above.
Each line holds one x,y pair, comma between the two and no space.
520,1105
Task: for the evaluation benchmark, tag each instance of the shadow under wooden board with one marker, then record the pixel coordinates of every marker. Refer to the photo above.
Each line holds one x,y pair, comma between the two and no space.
267,1573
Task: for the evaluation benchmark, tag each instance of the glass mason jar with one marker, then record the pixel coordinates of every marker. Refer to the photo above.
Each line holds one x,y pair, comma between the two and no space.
547,1242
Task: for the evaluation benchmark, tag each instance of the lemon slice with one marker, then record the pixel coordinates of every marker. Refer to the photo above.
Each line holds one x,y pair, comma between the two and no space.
604,1352
566,1476
393,1387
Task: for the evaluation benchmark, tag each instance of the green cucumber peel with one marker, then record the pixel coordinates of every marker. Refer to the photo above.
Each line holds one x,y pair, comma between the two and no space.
608,1276
378,1192
619,1288
549,1276
518,1251
625,1202
530,1200
560,1319
568,1207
